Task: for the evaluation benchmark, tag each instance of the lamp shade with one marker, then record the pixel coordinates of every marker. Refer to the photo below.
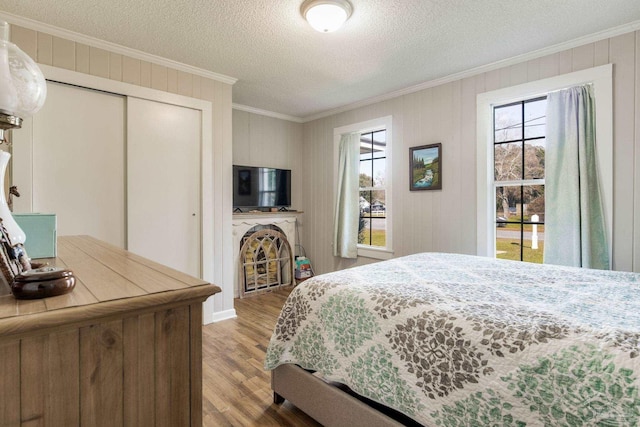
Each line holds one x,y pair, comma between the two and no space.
22,86
326,15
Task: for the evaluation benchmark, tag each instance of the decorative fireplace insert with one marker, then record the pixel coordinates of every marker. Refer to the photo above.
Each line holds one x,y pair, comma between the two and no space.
266,260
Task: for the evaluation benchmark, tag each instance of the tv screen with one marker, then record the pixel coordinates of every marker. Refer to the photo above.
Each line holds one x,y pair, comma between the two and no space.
256,187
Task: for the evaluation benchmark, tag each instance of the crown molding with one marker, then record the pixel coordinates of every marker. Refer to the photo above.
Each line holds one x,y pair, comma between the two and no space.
91,41
601,35
112,47
267,113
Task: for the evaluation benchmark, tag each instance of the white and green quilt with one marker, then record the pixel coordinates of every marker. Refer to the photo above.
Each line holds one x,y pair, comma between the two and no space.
459,340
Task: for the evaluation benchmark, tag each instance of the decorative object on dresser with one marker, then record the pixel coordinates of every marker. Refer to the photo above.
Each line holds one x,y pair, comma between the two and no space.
22,93
15,233
41,231
43,282
13,258
22,85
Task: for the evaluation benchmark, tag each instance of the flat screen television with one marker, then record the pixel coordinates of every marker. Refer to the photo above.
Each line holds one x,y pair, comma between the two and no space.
257,187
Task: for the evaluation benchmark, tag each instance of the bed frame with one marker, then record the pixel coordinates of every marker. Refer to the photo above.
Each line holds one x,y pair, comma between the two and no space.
329,404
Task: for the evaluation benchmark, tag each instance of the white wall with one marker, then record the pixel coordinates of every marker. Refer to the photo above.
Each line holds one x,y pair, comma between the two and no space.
445,221
260,140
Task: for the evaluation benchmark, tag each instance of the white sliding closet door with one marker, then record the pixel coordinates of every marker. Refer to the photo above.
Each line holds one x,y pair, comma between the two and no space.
163,190
78,162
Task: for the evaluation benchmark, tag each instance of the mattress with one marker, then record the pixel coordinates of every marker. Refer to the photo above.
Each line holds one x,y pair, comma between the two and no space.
460,340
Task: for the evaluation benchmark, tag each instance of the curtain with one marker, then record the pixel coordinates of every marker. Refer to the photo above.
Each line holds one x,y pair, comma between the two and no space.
574,220
345,227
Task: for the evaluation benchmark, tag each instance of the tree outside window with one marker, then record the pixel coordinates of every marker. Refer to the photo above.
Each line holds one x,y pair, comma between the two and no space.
519,154
373,219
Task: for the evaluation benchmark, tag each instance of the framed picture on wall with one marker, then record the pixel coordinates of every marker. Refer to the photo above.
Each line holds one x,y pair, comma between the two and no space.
425,167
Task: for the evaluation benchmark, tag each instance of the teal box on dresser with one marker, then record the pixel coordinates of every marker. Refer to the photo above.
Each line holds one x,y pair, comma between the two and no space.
40,230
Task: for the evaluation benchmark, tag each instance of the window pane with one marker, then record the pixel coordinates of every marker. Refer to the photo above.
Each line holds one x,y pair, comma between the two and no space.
508,204
508,242
379,151
365,202
531,254
380,136
533,202
378,204
512,201
379,172
534,118
365,174
508,123
534,152
508,161
378,231
364,231
366,149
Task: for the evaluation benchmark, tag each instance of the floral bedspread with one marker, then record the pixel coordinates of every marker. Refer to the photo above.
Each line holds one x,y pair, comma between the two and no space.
459,340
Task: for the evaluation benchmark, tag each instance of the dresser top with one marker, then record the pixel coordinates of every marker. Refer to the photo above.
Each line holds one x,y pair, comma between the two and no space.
109,280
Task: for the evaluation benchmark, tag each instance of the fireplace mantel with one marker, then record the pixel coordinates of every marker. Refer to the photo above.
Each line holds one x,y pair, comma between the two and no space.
279,214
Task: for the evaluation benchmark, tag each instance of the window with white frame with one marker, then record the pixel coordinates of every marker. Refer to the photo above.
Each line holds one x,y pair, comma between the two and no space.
519,130
374,229
510,160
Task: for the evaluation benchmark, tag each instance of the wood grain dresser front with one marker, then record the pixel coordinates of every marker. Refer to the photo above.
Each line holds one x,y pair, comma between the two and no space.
123,349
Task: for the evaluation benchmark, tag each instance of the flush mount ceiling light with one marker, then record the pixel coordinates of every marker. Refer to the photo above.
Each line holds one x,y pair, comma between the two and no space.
326,15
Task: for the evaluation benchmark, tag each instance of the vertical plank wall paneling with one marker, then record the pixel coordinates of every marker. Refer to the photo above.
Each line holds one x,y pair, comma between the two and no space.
62,53
636,168
271,142
621,53
446,220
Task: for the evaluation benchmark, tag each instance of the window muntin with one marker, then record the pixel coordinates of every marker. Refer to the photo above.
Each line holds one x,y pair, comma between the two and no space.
372,227
519,130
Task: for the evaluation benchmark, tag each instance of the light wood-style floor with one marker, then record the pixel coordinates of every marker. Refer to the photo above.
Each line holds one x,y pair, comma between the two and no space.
236,389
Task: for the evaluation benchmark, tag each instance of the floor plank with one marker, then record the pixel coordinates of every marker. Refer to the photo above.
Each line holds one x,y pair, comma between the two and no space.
236,389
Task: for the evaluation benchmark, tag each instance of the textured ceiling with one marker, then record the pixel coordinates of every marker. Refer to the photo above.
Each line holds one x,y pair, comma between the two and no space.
283,65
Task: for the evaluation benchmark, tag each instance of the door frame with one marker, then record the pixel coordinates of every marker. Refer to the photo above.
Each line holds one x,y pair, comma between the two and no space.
23,150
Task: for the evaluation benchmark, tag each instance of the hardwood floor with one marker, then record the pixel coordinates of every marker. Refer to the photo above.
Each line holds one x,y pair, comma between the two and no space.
236,388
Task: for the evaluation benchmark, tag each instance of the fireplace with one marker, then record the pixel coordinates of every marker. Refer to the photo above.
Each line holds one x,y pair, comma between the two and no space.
265,260
264,251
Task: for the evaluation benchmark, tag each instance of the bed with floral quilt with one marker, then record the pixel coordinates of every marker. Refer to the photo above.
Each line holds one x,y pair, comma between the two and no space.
460,340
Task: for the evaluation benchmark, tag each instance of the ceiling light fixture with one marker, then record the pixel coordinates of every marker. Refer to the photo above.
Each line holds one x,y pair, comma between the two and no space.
326,15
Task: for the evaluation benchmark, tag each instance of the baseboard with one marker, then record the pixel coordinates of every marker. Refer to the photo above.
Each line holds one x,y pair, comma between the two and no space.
220,316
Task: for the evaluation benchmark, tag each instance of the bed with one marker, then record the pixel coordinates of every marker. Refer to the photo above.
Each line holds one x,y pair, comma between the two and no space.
460,340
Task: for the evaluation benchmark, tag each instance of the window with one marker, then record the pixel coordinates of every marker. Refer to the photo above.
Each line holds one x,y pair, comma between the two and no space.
372,227
518,159
510,181
374,231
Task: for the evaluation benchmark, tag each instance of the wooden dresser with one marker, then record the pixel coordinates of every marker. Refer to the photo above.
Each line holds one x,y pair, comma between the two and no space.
124,348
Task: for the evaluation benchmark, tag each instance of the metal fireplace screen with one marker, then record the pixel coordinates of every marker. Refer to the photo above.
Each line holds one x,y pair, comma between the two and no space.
266,261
